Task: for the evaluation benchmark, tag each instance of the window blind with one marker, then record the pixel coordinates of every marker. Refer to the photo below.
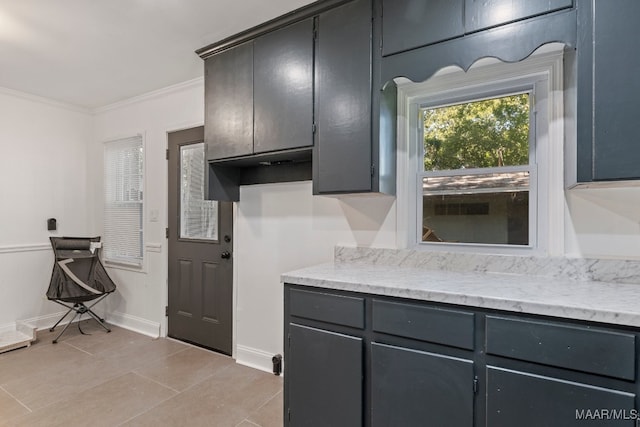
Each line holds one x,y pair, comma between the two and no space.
123,201
198,217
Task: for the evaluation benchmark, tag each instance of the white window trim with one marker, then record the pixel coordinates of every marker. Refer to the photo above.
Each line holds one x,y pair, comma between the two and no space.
544,68
120,265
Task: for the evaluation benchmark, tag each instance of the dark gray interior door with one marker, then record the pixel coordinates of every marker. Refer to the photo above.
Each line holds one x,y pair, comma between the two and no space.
200,244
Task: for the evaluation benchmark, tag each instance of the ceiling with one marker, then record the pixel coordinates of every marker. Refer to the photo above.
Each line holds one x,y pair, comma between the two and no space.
91,53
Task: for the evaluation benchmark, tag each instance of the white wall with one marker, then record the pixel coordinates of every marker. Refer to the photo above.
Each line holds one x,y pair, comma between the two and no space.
282,227
43,174
603,223
279,227
51,166
141,297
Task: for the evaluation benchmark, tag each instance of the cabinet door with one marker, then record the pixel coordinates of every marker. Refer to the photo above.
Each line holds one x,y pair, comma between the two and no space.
283,88
324,374
407,24
608,88
228,129
415,388
527,400
482,14
342,156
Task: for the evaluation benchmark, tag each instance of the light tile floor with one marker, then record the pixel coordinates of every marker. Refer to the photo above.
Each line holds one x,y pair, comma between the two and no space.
127,379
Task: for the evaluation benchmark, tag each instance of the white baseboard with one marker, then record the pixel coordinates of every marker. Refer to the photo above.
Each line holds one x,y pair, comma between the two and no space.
254,358
135,324
21,326
8,327
48,320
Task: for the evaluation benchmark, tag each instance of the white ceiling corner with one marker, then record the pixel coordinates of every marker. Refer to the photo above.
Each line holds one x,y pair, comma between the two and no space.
93,53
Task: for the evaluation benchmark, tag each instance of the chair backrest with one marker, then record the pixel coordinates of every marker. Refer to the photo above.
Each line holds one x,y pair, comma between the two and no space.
78,274
74,247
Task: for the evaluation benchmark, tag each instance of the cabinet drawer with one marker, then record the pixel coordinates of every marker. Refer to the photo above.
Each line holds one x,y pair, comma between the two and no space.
331,308
584,349
440,326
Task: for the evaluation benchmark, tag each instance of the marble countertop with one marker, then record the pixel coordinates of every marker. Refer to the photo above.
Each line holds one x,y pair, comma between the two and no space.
614,303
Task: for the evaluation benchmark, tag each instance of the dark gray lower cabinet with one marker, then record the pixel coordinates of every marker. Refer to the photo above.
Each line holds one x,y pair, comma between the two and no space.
324,378
367,360
416,388
526,400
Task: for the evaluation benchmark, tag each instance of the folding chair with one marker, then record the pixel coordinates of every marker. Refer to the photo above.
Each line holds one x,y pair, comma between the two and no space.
78,277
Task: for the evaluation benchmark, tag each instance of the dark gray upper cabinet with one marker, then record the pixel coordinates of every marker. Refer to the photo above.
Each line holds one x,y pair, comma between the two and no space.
410,24
229,103
510,43
283,88
343,94
607,90
422,37
355,139
407,24
259,95
481,14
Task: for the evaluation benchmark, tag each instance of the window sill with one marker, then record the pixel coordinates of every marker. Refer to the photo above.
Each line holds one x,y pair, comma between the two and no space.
479,248
121,265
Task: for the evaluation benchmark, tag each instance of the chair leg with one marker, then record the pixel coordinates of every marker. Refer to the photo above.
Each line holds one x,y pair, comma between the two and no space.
98,319
55,341
80,308
94,303
61,319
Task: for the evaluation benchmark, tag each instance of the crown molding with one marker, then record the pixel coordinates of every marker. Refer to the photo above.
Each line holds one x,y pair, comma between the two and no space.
42,100
198,81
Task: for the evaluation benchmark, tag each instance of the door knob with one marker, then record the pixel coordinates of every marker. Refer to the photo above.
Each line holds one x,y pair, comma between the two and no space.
225,255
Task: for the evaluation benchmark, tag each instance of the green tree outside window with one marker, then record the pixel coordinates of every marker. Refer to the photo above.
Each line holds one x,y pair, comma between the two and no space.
479,134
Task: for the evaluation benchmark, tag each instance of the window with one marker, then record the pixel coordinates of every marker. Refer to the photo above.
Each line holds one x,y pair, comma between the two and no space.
480,157
476,170
123,201
198,217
